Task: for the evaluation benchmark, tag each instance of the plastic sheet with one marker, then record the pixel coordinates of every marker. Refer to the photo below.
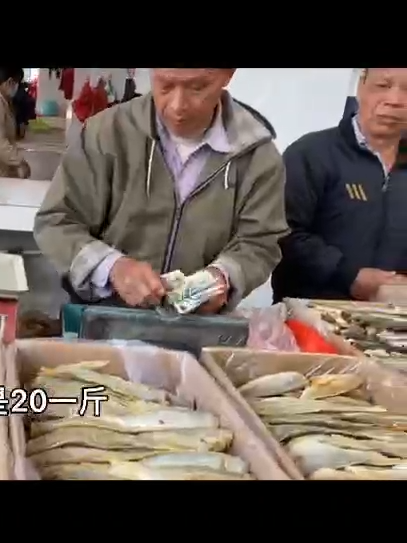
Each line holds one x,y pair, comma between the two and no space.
378,387
299,310
177,373
268,330
308,339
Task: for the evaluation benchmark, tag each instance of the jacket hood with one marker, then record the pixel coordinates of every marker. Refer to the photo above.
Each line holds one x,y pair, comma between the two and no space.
243,128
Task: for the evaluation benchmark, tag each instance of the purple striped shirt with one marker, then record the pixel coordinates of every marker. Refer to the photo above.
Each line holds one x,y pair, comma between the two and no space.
186,172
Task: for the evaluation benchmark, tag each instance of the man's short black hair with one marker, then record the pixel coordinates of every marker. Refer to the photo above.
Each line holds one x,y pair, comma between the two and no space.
16,74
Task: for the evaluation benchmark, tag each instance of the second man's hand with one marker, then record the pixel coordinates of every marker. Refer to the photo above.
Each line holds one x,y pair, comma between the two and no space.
137,283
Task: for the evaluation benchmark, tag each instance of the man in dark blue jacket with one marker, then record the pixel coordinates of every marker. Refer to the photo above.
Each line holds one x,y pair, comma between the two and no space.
346,199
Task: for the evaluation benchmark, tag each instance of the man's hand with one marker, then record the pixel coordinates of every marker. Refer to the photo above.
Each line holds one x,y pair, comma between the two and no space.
368,282
137,283
215,304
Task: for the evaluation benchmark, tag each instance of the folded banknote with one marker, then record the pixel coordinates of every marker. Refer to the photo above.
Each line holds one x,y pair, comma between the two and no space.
188,292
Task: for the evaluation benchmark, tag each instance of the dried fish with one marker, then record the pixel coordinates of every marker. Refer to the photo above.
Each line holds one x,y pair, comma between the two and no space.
311,454
386,420
274,385
284,432
211,460
83,373
201,440
165,419
78,472
329,474
327,420
374,474
140,472
373,326
284,406
347,400
357,473
396,450
79,455
325,386
116,404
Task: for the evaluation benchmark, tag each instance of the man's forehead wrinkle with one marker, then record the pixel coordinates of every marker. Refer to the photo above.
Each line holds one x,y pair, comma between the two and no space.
180,75
383,73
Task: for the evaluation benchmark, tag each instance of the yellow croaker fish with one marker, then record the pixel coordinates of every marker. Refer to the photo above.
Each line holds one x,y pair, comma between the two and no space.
375,474
274,385
60,388
128,389
347,400
329,474
311,454
284,432
139,472
211,460
289,406
397,450
79,455
175,418
325,386
200,440
78,472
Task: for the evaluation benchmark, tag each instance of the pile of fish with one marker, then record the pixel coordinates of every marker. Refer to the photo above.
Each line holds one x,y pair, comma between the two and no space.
140,434
379,330
329,425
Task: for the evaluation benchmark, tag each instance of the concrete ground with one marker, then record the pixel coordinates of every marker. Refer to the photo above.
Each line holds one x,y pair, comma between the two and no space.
43,152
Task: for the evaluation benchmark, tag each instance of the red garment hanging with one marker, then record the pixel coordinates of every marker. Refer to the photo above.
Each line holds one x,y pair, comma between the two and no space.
67,82
90,101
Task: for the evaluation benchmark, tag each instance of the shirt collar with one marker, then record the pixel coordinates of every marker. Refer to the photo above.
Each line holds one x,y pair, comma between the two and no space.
360,138
215,137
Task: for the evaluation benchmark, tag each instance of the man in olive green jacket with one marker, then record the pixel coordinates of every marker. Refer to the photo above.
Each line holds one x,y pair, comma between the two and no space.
181,178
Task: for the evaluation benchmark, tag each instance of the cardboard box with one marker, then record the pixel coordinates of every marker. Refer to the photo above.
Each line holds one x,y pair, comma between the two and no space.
6,456
233,367
178,373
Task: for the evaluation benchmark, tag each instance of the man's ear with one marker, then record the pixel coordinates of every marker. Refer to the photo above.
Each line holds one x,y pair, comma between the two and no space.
361,82
229,73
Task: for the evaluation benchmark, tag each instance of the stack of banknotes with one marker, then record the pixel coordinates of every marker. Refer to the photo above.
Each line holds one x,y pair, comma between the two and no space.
188,292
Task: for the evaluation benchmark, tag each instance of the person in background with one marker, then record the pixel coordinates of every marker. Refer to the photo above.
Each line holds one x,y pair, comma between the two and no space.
12,163
24,107
183,178
346,199
130,90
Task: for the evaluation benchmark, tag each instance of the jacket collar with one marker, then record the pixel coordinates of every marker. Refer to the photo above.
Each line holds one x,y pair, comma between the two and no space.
355,138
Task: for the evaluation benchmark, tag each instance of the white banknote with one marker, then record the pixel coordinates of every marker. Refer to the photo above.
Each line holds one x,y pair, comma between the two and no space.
188,292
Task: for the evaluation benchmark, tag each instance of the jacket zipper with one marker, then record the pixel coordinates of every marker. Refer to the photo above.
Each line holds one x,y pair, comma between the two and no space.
385,186
177,219
180,208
